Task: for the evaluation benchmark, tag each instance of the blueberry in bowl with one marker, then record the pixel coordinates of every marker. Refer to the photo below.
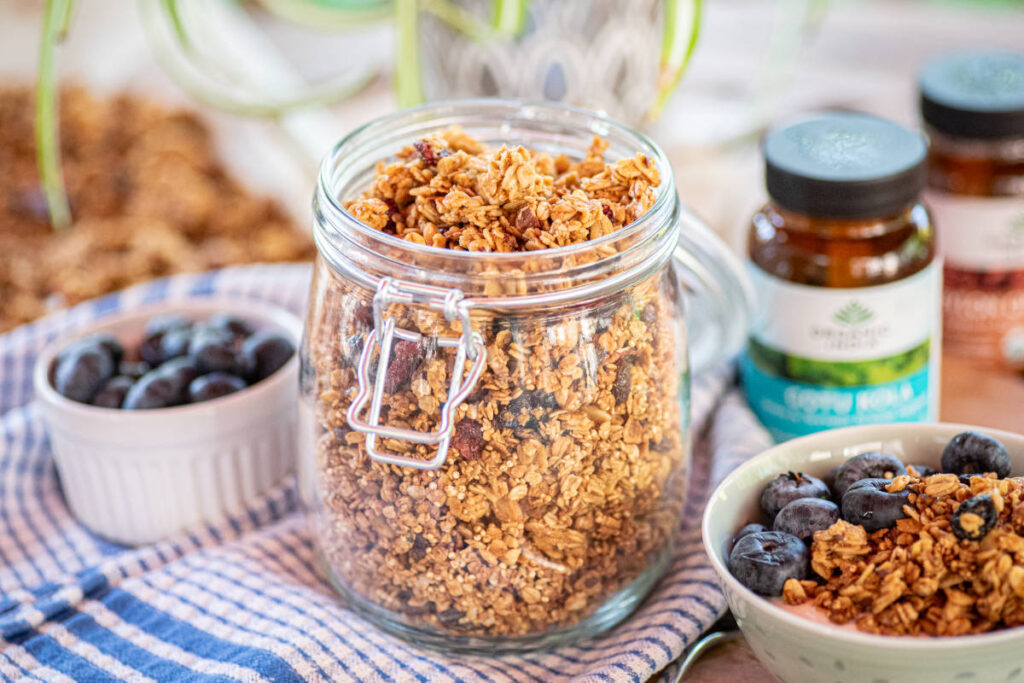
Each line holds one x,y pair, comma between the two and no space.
177,361
153,431
910,566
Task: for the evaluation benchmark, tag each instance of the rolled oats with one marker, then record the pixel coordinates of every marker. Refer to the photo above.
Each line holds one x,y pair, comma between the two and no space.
566,473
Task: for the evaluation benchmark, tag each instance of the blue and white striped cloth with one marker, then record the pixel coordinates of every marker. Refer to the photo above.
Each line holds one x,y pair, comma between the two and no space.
241,599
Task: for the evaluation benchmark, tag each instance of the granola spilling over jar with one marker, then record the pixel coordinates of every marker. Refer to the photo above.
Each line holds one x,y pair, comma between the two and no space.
495,374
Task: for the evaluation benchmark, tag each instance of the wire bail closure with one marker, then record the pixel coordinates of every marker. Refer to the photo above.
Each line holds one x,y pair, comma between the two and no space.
452,304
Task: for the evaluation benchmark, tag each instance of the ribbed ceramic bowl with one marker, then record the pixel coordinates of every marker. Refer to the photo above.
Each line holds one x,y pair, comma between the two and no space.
139,476
799,650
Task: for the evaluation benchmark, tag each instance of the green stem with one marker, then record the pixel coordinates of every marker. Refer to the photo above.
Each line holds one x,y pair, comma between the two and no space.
56,18
510,16
677,47
408,84
459,19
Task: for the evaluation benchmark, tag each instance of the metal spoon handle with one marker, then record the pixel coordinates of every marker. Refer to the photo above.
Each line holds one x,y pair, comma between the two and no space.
702,646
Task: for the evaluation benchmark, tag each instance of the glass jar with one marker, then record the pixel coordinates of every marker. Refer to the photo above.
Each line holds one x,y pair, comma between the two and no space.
511,475
973,107
843,261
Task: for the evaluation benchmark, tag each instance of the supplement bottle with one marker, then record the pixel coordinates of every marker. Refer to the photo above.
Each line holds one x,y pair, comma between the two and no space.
842,259
973,108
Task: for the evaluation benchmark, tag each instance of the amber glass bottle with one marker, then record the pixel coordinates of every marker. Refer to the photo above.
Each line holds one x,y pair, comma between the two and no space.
973,107
843,262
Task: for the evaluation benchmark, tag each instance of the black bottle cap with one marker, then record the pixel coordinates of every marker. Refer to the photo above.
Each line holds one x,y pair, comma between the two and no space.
975,94
844,166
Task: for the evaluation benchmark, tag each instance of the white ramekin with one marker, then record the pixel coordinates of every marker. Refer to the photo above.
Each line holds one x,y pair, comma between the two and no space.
139,476
799,650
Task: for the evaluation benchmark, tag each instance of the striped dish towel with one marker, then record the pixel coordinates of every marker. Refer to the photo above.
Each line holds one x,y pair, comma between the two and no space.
242,599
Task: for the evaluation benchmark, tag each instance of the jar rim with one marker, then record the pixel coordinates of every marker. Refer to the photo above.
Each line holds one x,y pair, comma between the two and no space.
596,124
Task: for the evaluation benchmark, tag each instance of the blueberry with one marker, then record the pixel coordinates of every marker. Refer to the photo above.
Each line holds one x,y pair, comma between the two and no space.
213,350
866,466
154,390
866,502
214,385
763,561
747,530
82,369
133,370
264,353
112,394
112,345
974,453
169,321
785,488
182,371
804,516
924,470
965,479
232,324
163,387
150,348
175,343
974,518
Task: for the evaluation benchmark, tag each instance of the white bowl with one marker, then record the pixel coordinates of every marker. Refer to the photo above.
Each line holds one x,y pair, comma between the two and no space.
799,650
139,476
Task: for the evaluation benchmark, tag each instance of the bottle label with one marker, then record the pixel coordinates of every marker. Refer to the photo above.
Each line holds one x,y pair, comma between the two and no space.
982,239
820,358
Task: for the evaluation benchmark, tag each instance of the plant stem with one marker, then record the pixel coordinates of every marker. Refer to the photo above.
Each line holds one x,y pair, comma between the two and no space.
682,29
56,17
408,84
509,16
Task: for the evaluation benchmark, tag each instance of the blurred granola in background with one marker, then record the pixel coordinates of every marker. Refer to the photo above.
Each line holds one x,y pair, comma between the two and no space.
148,196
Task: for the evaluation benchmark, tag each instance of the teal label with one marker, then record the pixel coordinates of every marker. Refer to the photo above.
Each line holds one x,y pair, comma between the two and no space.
896,390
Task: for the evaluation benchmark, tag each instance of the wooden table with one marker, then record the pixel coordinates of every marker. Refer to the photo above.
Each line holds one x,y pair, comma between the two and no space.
970,395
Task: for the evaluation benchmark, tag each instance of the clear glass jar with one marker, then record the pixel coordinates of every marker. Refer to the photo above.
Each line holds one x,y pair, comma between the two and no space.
514,474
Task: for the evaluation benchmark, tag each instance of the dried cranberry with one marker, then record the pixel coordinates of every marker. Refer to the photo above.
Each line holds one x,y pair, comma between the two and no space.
405,358
607,210
425,150
468,438
623,380
394,217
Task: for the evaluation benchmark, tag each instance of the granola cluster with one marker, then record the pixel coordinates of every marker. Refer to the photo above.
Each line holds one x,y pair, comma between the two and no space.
566,474
148,196
919,578
449,191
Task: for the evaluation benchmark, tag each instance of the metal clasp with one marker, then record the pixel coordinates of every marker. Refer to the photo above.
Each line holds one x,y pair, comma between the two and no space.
470,345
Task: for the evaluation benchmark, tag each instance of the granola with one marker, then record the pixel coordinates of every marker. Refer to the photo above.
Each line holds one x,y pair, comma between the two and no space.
919,577
449,191
566,474
148,196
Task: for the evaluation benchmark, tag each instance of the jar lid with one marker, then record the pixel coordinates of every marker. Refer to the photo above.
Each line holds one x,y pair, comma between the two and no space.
844,165
975,94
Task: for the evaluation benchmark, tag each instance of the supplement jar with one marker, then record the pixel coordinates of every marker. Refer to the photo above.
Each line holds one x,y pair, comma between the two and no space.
846,328
973,108
494,443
